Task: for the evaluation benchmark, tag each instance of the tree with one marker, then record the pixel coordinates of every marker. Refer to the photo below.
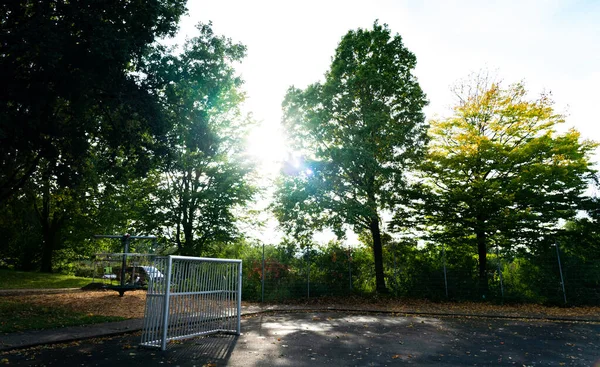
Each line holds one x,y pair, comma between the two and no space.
498,173
359,133
21,237
207,177
70,90
68,74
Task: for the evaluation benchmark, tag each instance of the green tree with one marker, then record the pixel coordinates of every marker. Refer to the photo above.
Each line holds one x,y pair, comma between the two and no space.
72,94
497,172
580,254
208,177
68,74
359,132
47,225
21,237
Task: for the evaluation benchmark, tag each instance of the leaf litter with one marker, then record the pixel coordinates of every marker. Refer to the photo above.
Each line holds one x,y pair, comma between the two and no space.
132,305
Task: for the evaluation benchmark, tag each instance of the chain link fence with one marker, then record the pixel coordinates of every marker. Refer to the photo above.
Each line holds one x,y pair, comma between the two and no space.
546,276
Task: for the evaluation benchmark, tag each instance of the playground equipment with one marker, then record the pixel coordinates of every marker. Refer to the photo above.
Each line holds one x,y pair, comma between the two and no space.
126,271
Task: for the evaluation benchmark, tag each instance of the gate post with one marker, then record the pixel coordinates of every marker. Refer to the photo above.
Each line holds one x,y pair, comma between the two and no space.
239,299
166,307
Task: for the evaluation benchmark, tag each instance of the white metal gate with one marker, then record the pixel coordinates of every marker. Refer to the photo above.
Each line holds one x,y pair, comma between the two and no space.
192,296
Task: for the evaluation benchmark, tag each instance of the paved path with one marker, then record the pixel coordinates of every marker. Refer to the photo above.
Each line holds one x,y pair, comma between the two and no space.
44,337
344,339
34,338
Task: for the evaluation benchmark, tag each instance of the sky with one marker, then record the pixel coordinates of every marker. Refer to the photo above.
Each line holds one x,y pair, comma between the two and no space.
551,45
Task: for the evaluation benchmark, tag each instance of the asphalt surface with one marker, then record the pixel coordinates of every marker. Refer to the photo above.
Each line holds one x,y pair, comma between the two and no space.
343,339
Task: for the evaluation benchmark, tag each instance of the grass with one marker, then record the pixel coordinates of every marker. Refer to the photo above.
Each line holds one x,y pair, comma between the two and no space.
11,279
17,316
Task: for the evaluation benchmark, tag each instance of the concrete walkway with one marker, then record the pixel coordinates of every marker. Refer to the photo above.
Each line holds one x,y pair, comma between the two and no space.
33,338
26,339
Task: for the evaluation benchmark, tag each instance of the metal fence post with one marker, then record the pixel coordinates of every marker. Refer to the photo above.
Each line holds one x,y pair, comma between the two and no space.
166,305
262,282
500,273
395,283
125,240
562,280
445,275
308,272
239,299
350,267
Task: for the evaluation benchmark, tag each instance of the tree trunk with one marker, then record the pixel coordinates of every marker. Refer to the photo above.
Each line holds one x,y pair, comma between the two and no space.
482,252
178,235
48,247
378,254
188,217
49,226
188,235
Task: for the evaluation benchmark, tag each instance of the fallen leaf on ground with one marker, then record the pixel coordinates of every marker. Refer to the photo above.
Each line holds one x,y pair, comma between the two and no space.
132,305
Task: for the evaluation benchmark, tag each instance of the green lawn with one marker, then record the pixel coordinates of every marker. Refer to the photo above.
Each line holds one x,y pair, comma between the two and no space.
10,279
17,316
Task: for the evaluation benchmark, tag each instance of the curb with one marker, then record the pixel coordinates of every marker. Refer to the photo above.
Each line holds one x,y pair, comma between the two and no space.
425,313
68,334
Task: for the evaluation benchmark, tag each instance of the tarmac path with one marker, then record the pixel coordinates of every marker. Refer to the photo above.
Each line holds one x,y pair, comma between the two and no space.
344,339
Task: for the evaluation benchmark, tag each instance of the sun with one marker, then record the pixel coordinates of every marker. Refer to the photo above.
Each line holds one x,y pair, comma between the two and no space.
266,145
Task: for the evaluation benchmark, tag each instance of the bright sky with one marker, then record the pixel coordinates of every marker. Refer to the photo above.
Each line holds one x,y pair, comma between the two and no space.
550,44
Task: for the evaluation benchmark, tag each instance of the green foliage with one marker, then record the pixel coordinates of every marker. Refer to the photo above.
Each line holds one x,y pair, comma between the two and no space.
102,130
207,177
75,86
359,131
21,236
415,272
497,174
162,156
363,273
331,267
287,266
62,220
528,281
580,247
74,111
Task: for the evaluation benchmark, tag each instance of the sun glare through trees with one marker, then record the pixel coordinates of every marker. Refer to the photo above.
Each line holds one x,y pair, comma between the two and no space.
371,148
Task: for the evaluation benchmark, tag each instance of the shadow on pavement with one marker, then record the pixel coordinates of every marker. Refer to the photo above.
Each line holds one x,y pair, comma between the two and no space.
339,339
344,339
214,349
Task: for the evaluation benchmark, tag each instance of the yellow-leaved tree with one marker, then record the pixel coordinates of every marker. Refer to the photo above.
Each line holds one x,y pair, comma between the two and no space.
497,173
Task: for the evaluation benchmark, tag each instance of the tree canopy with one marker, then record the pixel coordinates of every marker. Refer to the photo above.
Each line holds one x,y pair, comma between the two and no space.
358,132
208,177
107,127
68,75
498,173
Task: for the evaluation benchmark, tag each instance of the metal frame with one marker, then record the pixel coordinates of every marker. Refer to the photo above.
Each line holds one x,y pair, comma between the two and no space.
122,288
197,296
